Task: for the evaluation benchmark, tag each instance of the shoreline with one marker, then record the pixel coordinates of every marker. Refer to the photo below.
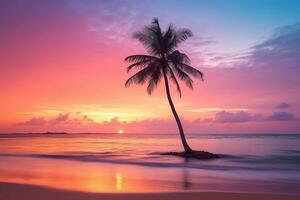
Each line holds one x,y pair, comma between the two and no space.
14,191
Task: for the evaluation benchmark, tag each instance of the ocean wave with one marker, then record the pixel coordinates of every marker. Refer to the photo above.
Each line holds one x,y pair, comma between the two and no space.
227,163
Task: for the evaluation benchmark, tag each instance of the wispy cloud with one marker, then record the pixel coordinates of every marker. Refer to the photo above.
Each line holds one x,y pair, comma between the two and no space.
280,51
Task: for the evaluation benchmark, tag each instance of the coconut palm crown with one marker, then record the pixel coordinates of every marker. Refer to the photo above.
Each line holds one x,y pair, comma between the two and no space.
163,62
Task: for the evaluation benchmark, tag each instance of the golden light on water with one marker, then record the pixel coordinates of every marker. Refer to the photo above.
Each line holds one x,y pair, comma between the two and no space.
120,132
119,181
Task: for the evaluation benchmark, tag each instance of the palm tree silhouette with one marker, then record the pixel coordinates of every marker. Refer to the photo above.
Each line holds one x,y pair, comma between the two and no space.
164,61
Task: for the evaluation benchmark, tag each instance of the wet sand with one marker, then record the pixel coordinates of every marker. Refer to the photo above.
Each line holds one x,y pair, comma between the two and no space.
12,191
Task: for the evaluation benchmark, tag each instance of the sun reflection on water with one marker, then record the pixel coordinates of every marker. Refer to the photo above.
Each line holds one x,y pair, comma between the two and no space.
119,181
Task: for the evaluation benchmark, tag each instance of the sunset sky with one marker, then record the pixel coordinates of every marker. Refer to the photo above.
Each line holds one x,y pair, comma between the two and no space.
62,66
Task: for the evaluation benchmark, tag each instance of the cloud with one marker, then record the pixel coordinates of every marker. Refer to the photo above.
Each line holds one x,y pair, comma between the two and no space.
220,117
233,117
276,57
35,121
281,116
242,116
283,105
60,119
224,121
281,49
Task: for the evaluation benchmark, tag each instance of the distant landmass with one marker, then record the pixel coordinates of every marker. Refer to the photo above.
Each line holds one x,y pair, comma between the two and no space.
44,133
55,133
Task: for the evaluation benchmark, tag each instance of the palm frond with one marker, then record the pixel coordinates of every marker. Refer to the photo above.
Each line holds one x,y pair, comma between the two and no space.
139,58
182,35
173,78
175,37
154,80
183,76
141,76
146,39
169,43
151,37
139,65
191,70
181,60
178,57
156,26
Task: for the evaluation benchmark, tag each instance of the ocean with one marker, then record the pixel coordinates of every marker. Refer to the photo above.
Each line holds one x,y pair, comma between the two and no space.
266,163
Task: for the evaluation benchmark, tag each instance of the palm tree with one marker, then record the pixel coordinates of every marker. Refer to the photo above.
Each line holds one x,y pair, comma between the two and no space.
164,61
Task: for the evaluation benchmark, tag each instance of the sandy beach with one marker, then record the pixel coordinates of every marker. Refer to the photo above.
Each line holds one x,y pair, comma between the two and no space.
11,191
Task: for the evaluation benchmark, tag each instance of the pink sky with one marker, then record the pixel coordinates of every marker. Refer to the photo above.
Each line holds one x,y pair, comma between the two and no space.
62,69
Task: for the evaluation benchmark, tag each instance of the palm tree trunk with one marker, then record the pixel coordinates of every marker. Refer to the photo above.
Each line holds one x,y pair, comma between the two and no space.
187,148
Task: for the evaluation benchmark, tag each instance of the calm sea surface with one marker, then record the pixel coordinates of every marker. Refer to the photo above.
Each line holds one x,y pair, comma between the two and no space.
132,162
